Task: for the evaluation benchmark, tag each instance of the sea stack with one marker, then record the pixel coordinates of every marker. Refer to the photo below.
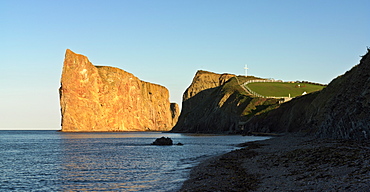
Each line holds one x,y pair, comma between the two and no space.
102,98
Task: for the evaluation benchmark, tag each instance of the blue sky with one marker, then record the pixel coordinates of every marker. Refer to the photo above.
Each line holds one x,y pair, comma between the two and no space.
167,41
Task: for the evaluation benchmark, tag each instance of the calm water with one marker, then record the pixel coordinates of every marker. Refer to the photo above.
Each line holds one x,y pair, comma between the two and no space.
55,161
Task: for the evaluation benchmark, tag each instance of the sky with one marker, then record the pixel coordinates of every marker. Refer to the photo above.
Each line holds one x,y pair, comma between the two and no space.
167,41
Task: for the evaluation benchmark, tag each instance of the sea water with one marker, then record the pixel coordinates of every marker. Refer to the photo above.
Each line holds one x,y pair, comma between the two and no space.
124,161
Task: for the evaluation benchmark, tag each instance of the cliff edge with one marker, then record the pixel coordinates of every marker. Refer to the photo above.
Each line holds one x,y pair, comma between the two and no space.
339,111
217,103
101,98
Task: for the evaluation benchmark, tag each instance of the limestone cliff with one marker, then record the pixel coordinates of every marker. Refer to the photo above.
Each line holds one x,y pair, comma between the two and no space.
205,80
202,81
216,103
341,110
175,112
101,98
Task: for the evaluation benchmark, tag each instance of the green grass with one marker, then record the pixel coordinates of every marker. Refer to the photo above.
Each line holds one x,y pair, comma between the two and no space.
281,89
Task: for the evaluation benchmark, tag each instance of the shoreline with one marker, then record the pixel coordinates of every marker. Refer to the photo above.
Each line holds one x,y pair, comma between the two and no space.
293,162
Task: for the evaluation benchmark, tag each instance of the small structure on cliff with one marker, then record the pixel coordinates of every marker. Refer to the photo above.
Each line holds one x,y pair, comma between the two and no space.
246,70
101,98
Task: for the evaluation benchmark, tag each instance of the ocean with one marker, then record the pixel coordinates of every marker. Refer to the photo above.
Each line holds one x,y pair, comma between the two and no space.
119,161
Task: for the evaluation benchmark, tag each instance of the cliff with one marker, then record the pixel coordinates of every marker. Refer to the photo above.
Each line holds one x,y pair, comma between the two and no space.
205,80
339,111
216,103
101,98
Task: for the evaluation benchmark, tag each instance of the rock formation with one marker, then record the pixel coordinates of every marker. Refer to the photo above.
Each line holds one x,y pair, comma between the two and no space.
205,80
175,112
101,98
340,111
163,141
216,103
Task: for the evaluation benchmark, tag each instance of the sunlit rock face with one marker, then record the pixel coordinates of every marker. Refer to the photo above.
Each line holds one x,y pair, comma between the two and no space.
205,80
101,98
200,111
175,112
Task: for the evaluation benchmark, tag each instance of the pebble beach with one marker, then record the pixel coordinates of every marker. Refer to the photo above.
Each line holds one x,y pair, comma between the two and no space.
293,162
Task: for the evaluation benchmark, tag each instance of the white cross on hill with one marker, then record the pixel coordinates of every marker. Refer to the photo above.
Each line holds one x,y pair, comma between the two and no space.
246,70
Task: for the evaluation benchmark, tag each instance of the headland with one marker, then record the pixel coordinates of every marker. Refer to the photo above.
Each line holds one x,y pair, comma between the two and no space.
325,144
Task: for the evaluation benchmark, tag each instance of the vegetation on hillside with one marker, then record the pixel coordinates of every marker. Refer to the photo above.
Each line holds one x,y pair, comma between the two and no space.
339,111
249,105
221,109
282,89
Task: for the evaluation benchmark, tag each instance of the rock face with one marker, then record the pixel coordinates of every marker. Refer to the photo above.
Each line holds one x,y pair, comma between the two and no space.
101,98
175,113
216,103
205,80
340,111
202,86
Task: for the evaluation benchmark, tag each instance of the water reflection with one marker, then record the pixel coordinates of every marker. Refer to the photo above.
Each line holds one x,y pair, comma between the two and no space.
87,135
127,161
56,161
111,161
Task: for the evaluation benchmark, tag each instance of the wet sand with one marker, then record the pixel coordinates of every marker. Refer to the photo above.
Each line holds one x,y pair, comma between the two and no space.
293,162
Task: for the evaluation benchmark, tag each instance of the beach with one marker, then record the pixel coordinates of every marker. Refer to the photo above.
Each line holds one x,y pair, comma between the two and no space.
293,162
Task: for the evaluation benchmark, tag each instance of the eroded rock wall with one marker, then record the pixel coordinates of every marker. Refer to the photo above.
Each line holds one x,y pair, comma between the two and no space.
101,98
202,85
205,80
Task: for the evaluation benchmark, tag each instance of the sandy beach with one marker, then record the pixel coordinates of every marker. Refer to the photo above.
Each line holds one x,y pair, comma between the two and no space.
293,162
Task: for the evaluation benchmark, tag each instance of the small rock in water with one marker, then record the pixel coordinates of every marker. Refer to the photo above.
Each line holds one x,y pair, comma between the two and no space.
163,141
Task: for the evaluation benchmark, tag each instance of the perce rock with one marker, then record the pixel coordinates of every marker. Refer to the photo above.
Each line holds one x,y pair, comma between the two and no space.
101,98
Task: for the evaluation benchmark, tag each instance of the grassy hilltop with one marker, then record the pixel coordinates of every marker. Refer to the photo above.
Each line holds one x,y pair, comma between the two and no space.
283,89
340,111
